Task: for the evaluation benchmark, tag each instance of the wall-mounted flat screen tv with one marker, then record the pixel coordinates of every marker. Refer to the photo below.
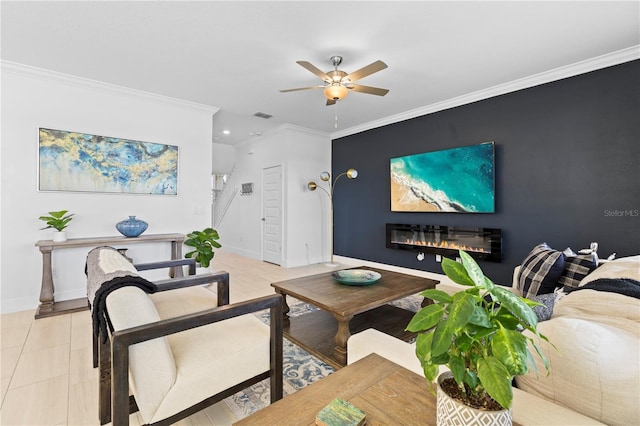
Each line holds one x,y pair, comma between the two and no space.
459,180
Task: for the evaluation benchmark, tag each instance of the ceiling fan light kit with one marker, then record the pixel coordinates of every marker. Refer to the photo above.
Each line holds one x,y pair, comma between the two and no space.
338,83
336,92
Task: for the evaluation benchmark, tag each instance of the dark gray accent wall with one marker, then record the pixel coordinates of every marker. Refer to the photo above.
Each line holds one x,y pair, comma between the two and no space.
567,171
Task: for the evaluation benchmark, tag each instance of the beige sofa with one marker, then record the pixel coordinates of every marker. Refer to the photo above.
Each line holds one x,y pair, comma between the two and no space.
595,371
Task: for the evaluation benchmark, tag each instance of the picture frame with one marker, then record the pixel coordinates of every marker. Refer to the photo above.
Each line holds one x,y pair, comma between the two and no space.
456,180
81,162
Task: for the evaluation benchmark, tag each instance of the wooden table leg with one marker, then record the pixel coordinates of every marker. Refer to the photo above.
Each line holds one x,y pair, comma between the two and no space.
342,335
426,302
46,289
285,309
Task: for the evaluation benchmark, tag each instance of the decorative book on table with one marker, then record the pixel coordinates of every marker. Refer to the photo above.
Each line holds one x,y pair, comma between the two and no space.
340,413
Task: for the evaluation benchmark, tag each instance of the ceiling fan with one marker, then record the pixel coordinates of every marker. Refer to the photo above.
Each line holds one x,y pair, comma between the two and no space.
338,83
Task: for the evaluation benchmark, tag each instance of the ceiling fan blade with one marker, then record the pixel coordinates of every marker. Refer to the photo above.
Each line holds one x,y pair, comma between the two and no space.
331,102
368,89
301,88
363,72
313,69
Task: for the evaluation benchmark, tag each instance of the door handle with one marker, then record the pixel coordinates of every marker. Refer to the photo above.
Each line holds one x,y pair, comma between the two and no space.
263,219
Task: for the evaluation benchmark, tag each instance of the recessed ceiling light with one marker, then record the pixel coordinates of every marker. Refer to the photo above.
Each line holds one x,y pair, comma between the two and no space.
226,132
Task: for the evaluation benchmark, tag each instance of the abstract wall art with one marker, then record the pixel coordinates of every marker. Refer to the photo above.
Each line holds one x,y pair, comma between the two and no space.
80,162
458,180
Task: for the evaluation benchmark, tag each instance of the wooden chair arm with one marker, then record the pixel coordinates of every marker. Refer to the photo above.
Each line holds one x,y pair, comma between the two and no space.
220,278
122,339
191,263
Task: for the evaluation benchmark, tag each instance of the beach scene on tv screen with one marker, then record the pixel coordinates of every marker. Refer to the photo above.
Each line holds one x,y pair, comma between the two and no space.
458,180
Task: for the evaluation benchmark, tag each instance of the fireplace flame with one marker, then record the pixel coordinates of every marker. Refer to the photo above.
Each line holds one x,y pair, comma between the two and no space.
449,245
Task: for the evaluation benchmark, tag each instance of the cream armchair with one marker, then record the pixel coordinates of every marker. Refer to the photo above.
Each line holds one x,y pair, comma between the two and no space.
176,350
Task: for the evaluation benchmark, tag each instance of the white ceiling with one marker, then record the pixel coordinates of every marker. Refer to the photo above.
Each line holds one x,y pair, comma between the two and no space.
236,55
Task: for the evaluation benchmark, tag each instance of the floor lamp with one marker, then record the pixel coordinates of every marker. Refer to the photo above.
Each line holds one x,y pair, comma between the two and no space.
326,177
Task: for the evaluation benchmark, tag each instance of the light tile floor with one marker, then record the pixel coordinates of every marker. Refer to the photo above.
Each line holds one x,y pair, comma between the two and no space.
46,365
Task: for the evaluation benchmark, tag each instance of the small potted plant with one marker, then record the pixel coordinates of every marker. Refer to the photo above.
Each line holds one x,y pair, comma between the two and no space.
477,334
59,221
203,243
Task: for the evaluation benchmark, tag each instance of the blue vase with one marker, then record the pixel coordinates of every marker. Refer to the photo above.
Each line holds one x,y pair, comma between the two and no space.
131,227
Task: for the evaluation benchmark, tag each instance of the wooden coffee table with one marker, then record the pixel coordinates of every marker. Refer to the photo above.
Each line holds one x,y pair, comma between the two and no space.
388,394
345,310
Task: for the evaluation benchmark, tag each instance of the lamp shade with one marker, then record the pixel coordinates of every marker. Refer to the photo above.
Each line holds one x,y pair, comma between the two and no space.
336,92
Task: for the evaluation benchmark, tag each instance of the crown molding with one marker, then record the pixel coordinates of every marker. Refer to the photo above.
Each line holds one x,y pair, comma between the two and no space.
593,64
44,74
288,126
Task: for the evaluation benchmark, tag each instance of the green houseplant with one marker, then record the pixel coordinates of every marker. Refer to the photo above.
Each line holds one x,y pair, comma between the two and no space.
477,334
59,221
203,243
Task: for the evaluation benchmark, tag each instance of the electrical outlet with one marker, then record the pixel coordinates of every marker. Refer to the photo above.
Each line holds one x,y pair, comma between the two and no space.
438,258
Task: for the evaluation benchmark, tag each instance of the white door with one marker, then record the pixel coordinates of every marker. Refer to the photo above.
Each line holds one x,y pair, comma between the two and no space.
272,215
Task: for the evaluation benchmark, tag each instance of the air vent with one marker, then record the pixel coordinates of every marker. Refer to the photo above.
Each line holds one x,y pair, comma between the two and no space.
263,115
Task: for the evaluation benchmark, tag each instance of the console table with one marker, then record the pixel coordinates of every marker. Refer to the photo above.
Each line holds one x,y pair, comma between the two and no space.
49,307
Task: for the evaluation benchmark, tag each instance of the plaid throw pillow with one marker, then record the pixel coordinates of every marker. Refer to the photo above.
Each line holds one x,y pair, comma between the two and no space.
540,271
576,268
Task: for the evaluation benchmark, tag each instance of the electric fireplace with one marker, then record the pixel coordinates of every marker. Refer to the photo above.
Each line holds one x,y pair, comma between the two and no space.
480,243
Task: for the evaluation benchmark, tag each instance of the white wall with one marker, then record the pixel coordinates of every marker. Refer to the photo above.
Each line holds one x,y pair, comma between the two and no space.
33,98
224,157
303,154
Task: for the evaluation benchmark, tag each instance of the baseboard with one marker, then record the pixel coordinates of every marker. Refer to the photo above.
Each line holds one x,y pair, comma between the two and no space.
31,303
19,304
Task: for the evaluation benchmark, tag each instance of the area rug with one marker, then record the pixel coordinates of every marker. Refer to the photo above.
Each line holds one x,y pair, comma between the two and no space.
300,368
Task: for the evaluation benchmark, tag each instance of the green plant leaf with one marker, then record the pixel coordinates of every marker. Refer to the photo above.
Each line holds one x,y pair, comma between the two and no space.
506,320
471,379
511,348
496,380
544,359
473,270
464,342
58,220
203,242
423,352
442,338
515,305
461,310
458,368
480,317
437,295
488,284
426,318
480,333
456,272
441,359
